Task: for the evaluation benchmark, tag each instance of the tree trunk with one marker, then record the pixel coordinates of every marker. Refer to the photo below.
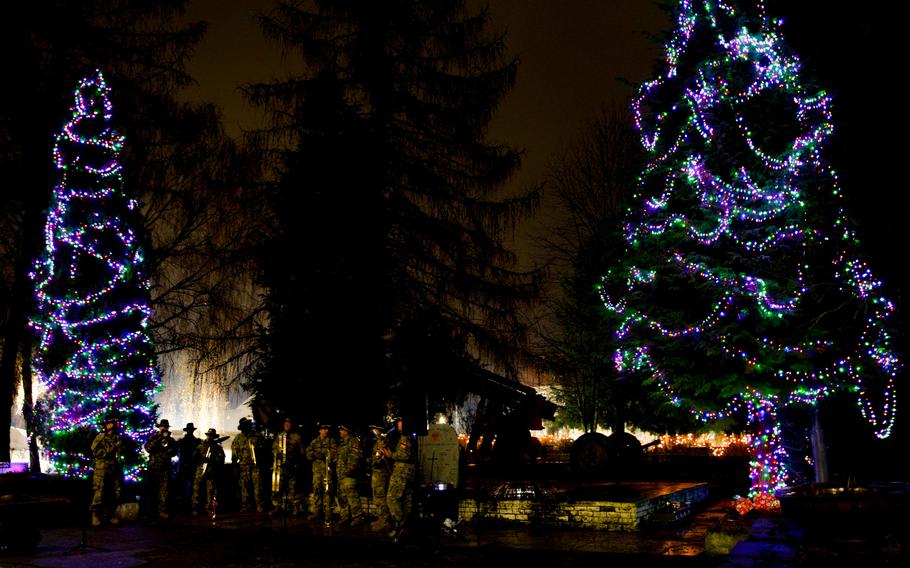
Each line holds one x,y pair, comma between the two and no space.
12,342
819,450
28,409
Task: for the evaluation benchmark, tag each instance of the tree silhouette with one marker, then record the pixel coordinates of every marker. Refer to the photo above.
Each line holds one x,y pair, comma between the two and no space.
385,205
742,290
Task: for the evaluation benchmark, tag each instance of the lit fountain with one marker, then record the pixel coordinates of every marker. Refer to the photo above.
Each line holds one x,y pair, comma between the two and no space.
204,400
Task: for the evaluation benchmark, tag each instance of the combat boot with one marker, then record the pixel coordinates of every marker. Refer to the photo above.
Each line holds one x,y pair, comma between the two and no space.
96,520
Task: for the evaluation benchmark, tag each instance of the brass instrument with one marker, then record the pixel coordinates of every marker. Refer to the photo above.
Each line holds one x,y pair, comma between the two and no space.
205,460
379,455
328,487
249,442
279,461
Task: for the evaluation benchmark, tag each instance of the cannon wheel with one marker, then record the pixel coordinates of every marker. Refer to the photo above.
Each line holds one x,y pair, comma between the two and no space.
595,453
590,453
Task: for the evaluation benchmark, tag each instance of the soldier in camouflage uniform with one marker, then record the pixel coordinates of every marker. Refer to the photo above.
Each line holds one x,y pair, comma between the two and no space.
243,456
347,463
381,468
287,450
322,447
161,447
401,481
107,447
209,458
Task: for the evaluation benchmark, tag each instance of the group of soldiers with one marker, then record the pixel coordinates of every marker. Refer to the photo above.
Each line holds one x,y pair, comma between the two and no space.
338,467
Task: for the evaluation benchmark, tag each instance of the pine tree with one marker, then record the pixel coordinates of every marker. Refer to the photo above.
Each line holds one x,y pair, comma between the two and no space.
386,209
742,289
94,354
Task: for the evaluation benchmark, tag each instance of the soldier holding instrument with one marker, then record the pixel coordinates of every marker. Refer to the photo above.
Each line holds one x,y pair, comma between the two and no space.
107,447
161,447
320,452
209,458
243,456
380,470
401,481
286,451
347,462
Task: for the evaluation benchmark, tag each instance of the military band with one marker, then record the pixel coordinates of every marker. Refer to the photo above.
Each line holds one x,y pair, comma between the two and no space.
338,467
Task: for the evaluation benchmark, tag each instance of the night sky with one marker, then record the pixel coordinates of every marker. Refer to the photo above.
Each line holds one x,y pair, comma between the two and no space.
576,55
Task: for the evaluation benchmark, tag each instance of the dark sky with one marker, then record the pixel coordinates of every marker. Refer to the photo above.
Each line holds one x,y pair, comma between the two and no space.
572,53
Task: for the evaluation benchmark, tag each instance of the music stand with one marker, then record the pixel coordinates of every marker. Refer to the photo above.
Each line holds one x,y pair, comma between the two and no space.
83,545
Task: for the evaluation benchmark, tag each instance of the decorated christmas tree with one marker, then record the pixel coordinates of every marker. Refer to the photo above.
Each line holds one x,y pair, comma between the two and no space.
742,290
94,353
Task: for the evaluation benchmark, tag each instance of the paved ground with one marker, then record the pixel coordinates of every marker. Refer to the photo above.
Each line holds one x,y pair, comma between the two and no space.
259,540
251,540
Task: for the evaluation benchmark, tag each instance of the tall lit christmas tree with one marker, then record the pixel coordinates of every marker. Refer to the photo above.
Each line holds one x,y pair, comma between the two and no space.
94,352
742,290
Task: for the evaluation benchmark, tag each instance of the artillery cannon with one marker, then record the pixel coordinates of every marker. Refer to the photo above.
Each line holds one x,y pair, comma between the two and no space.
595,453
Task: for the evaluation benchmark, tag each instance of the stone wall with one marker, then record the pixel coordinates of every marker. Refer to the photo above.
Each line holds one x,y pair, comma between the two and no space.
604,515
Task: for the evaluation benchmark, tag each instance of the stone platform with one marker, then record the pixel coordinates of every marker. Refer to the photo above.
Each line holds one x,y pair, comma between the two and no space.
611,506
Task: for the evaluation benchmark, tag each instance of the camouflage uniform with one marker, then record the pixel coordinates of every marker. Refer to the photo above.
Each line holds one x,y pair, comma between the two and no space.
161,448
401,482
107,448
347,463
379,480
243,448
287,492
317,452
209,458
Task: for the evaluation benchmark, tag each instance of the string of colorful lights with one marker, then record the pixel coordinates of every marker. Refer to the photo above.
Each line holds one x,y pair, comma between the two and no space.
94,353
741,256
